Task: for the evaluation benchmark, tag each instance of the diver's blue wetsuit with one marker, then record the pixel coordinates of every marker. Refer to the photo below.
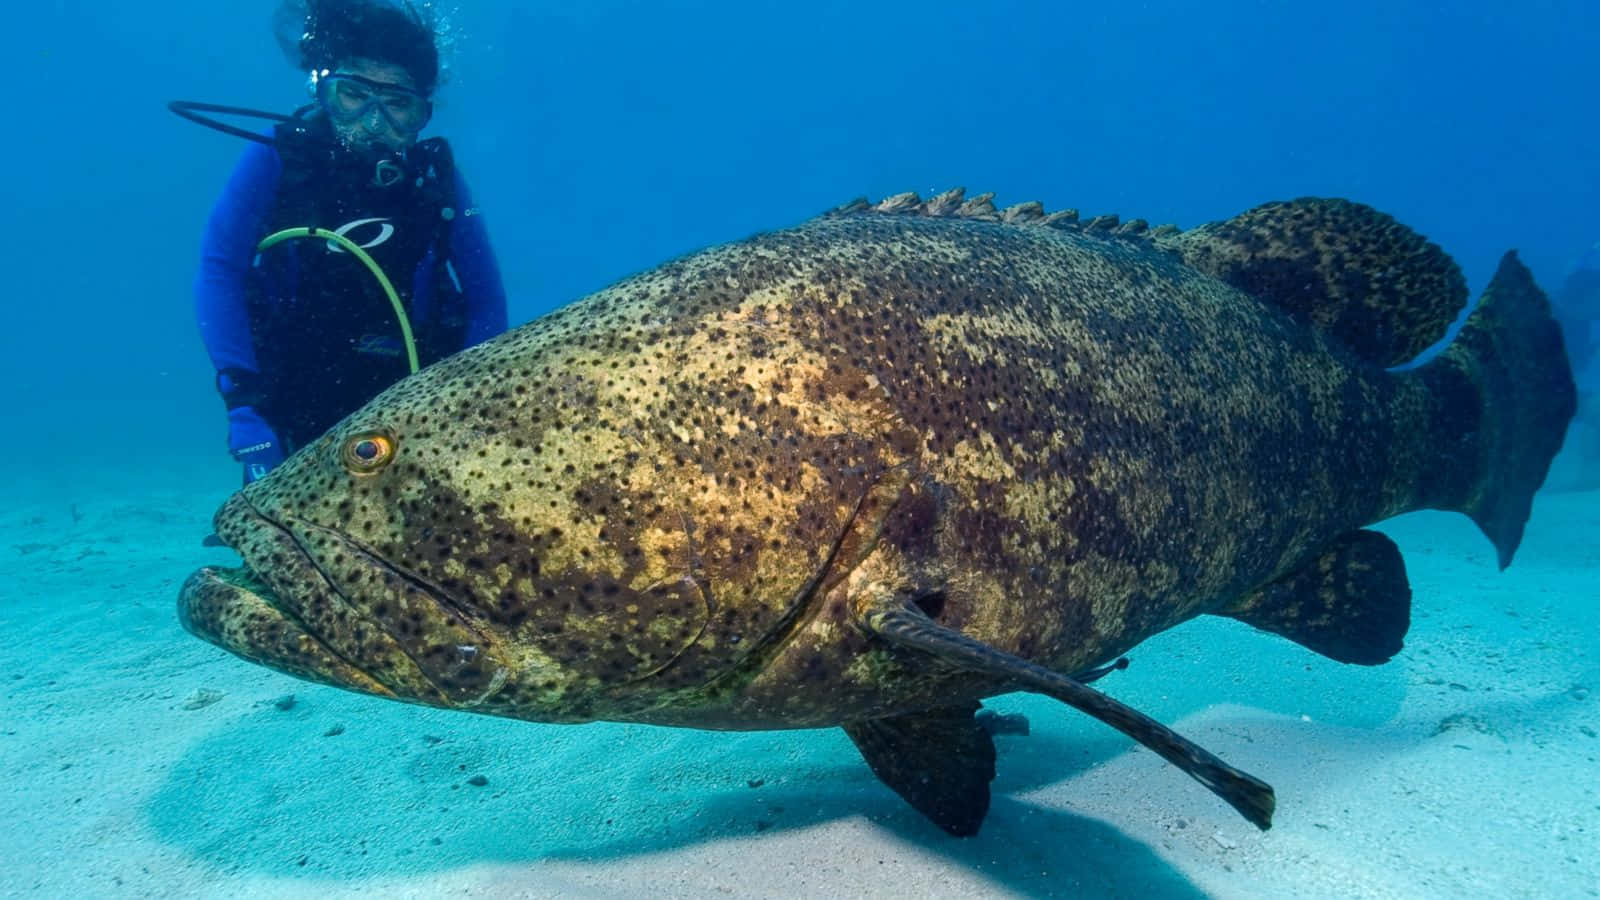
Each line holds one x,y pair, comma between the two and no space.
1577,308
301,335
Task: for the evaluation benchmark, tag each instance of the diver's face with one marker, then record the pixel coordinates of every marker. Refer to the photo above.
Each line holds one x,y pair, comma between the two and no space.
372,130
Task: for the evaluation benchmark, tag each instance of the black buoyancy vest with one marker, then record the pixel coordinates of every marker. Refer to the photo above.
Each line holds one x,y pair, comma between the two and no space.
325,333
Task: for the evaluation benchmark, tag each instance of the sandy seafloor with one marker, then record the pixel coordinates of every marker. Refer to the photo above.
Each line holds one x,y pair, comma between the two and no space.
1468,766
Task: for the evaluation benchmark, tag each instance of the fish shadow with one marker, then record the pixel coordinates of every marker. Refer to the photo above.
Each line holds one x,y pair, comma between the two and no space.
273,793
1025,848
340,786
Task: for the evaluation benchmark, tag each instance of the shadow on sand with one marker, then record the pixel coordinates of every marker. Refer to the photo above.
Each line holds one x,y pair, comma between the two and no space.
392,793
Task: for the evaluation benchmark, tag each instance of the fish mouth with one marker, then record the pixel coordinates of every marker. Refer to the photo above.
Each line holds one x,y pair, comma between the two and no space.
234,609
281,610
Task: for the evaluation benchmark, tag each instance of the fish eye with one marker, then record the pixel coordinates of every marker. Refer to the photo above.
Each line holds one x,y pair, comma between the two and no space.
366,453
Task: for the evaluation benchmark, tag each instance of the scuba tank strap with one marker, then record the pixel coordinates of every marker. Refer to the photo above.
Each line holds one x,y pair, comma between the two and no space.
436,167
304,153
443,331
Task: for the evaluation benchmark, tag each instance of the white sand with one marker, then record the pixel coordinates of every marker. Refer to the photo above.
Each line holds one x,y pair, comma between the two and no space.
1469,766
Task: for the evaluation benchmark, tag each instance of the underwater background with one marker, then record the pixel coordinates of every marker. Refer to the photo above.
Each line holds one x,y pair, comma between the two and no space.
602,138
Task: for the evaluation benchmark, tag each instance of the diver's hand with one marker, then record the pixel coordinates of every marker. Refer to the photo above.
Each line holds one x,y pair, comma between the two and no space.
258,462
253,442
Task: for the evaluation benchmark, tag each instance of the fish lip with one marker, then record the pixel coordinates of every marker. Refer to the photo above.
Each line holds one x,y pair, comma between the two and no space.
242,513
199,604
237,517
290,530
255,517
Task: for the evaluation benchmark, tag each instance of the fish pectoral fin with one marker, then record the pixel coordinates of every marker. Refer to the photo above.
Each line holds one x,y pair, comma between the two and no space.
1352,603
910,628
940,761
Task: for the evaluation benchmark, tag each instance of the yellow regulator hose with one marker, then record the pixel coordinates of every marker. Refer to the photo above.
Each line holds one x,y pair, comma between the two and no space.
355,250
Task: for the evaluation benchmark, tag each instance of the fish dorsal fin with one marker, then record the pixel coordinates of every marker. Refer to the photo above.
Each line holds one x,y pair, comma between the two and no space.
1382,289
908,628
955,204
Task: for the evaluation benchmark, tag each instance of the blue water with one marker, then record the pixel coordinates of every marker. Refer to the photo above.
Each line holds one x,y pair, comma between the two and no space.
604,137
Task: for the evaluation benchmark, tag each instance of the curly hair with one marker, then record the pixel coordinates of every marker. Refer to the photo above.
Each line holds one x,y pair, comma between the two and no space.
337,31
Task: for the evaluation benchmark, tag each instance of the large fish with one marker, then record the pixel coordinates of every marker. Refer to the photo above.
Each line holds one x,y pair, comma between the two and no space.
870,470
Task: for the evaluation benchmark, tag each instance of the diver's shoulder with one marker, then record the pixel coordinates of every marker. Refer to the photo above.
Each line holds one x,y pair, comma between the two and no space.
260,155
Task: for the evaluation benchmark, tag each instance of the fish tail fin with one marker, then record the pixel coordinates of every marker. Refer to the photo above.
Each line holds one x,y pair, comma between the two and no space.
1502,395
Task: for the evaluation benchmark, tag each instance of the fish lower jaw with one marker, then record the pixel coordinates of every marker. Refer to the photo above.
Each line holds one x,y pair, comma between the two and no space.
231,608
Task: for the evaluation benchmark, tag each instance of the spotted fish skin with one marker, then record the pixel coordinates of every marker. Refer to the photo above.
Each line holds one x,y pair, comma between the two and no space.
677,500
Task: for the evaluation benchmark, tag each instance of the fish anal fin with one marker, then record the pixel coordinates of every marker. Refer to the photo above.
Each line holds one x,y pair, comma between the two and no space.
1352,603
940,761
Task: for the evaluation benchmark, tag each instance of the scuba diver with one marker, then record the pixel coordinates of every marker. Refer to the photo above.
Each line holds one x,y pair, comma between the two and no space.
344,253
1577,307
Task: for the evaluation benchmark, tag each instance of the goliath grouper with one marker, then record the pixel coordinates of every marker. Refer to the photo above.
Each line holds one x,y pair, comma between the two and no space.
870,470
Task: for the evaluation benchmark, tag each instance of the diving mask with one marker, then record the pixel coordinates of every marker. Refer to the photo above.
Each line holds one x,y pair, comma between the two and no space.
352,98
